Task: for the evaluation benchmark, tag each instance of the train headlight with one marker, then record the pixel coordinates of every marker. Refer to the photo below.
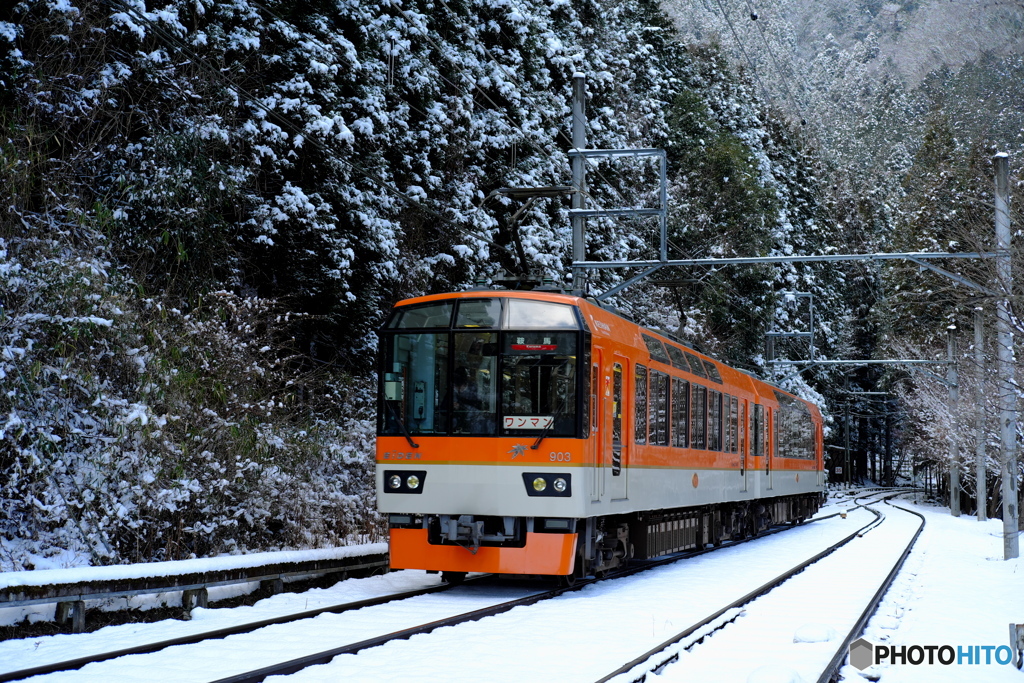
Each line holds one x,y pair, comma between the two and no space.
548,484
407,481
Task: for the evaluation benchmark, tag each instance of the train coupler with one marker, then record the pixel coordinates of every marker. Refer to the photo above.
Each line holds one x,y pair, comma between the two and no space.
472,531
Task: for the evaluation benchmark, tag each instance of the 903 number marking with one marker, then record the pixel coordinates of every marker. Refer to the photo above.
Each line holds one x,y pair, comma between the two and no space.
560,457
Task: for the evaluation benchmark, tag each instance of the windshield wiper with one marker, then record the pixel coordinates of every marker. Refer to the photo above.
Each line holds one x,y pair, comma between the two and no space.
401,423
554,418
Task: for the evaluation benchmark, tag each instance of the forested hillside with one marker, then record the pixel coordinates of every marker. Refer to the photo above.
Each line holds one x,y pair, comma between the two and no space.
208,207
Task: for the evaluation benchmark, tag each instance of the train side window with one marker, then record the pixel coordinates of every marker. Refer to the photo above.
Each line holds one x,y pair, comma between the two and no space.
656,349
677,357
698,417
714,420
712,372
658,408
775,433
595,386
743,436
696,367
680,412
640,399
617,404
734,428
757,435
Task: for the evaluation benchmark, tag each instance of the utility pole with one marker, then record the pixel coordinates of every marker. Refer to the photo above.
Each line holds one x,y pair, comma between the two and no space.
849,468
1007,385
954,405
579,179
980,471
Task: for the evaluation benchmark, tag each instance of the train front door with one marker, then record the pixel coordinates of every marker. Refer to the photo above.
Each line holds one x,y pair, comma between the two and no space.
616,467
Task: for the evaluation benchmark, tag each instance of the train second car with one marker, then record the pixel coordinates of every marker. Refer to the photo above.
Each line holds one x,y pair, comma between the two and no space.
539,433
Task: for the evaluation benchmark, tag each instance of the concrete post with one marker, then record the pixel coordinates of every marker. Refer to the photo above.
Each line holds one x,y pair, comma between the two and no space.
1007,385
73,611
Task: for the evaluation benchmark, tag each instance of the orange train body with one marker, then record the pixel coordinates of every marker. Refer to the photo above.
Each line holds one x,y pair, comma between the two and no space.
538,433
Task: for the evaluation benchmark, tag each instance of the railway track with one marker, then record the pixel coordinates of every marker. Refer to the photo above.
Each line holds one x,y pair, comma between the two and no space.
299,663
352,645
214,634
669,652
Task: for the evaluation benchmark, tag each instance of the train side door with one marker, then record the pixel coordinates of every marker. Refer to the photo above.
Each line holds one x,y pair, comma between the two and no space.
599,389
617,450
770,418
744,463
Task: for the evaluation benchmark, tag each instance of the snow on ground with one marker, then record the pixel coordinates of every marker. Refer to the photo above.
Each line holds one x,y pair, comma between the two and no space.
29,652
75,575
955,589
586,635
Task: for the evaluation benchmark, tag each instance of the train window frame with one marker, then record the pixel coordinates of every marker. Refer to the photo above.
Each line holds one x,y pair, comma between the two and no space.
617,381
658,407
534,344
474,385
696,366
680,423
757,433
396,420
714,420
734,423
400,314
743,436
641,391
698,416
678,360
656,349
775,432
479,324
712,371
517,315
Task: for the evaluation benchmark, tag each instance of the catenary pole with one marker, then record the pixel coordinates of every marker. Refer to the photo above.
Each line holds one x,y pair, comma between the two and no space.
1004,357
954,405
980,471
579,179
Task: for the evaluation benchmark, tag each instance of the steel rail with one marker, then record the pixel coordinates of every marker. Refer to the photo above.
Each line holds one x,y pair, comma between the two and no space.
294,665
299,663
79,662
832,670
749,597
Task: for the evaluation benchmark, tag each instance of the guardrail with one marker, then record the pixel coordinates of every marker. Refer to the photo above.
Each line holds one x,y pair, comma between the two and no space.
193,578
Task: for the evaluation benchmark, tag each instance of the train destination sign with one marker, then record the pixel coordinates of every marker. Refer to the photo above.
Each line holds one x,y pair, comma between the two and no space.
528,421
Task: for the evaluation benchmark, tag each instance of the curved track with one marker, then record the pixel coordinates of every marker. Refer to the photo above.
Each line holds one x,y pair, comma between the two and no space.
534,596
657,659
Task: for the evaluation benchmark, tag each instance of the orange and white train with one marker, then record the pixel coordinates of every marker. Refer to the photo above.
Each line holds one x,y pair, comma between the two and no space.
534,432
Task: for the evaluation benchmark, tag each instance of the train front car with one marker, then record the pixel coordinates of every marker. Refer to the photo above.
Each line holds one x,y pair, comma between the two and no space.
481,425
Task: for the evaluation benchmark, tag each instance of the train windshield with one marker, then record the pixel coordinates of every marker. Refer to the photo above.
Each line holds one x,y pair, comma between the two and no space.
486,366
